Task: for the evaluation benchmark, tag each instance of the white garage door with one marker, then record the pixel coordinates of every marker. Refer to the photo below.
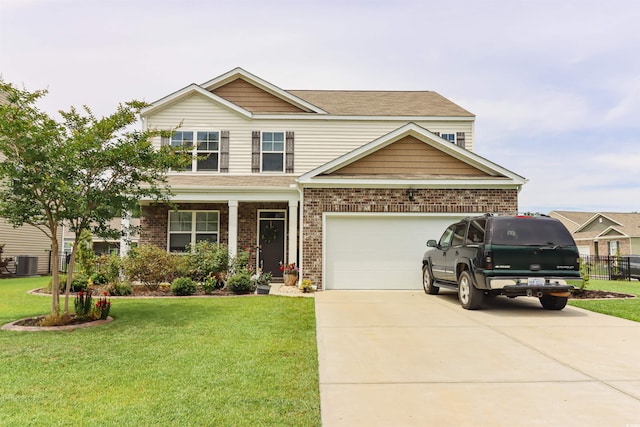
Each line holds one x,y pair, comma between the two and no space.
377,251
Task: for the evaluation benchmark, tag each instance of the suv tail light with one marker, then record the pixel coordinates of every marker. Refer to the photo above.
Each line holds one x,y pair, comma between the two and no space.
488,260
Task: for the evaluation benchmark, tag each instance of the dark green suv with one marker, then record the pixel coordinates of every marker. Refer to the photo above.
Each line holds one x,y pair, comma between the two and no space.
503,255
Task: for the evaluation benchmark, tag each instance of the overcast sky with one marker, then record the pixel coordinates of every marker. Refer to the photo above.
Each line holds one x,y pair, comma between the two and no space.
554,84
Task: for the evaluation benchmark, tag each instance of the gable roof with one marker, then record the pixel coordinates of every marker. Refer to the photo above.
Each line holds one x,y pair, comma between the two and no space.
319,103
626,224
490,174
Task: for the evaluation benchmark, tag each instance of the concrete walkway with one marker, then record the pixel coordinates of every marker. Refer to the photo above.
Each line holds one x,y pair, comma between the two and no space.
403,358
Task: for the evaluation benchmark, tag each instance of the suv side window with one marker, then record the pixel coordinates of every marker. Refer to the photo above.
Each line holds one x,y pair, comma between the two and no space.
475,235
458,234
445,240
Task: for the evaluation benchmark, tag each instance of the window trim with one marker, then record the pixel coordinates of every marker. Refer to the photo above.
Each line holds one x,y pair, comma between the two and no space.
453,134
283,152
194,231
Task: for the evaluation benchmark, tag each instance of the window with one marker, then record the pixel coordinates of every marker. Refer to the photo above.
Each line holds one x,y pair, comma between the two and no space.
272,149
451,137
205,152
475,235
186,227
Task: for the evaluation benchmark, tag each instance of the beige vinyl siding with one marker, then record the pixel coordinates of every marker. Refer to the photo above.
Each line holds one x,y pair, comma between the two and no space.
27,240
316,141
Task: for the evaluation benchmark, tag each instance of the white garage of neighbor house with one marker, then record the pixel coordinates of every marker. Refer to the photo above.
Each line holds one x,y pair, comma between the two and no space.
348,185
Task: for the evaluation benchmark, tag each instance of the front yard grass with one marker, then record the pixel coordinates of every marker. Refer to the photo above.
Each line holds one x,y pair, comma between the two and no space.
626,309
170,361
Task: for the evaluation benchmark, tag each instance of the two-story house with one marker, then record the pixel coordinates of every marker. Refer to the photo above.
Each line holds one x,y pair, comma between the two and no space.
349,185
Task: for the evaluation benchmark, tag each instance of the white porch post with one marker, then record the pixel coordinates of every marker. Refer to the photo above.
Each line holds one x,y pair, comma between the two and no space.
233,228
125,237
293,230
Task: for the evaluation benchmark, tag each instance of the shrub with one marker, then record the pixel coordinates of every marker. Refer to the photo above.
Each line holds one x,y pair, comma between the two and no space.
207,258
211,283
149,265
85,257
79,283
239,262
99,278
240,283
62,283
183,286
306,286
110,266
120,289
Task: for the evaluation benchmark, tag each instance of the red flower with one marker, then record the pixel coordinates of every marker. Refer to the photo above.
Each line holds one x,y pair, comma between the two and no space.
80,293
105,293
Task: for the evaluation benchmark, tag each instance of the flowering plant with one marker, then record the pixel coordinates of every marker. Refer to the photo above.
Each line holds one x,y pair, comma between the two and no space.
289,268
102,308
83,304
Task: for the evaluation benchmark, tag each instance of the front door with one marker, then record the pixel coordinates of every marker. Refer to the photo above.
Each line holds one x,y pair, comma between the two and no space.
271,241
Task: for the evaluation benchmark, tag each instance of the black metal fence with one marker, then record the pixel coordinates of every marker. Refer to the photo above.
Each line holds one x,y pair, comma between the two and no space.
607,267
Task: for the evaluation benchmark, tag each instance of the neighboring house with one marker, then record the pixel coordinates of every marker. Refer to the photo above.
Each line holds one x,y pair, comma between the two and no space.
102,246
25,241
349,185
603,233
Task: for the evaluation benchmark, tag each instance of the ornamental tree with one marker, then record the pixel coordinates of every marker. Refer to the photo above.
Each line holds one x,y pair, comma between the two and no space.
82,171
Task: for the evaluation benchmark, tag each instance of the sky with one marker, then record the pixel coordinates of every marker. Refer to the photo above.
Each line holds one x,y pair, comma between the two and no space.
554,84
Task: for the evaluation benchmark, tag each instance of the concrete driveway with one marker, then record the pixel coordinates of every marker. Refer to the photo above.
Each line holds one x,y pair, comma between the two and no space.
404,358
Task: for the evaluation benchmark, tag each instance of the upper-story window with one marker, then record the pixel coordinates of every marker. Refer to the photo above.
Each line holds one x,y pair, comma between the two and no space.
206,151
451,137
272,149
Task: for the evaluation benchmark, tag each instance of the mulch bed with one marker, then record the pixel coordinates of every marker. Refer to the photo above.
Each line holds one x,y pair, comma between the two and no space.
590,294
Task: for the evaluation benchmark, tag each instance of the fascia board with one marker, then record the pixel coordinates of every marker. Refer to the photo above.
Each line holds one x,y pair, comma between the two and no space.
207,194
406,183
188,91
262,84
310,116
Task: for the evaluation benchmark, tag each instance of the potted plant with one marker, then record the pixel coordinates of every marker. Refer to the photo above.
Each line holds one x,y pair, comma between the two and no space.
290,272
262,281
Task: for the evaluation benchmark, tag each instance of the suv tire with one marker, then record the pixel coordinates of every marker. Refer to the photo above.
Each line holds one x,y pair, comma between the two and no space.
427,281
553,303
470,297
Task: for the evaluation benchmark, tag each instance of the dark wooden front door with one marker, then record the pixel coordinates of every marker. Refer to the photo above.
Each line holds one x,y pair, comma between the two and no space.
271,241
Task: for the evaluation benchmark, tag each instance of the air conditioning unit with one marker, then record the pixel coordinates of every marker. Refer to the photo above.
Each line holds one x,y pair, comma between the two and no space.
26,265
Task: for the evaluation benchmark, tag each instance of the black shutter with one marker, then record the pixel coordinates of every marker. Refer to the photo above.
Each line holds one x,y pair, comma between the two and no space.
437,133
224,151
460,139
289,152
255,151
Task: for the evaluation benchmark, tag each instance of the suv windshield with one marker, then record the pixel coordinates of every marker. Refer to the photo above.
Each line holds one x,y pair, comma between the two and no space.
530,232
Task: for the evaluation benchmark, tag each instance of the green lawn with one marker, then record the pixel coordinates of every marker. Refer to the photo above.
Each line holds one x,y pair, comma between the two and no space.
627,309
191,361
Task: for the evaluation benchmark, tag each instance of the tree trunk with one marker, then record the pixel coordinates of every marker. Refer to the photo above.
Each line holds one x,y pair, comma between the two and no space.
55,276
72,265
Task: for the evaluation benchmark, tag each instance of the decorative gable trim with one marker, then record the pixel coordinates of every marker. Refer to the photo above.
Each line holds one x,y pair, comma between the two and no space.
612,232
496,175
262,84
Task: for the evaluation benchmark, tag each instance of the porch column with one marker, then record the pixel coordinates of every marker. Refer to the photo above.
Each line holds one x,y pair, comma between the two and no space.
293,231
125,236
233,228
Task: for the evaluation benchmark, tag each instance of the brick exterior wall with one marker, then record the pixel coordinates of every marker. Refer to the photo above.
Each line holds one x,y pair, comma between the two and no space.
320,200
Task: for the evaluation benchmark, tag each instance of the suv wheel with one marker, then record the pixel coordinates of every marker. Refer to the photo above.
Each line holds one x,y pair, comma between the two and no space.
553,303
427,281
470,297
